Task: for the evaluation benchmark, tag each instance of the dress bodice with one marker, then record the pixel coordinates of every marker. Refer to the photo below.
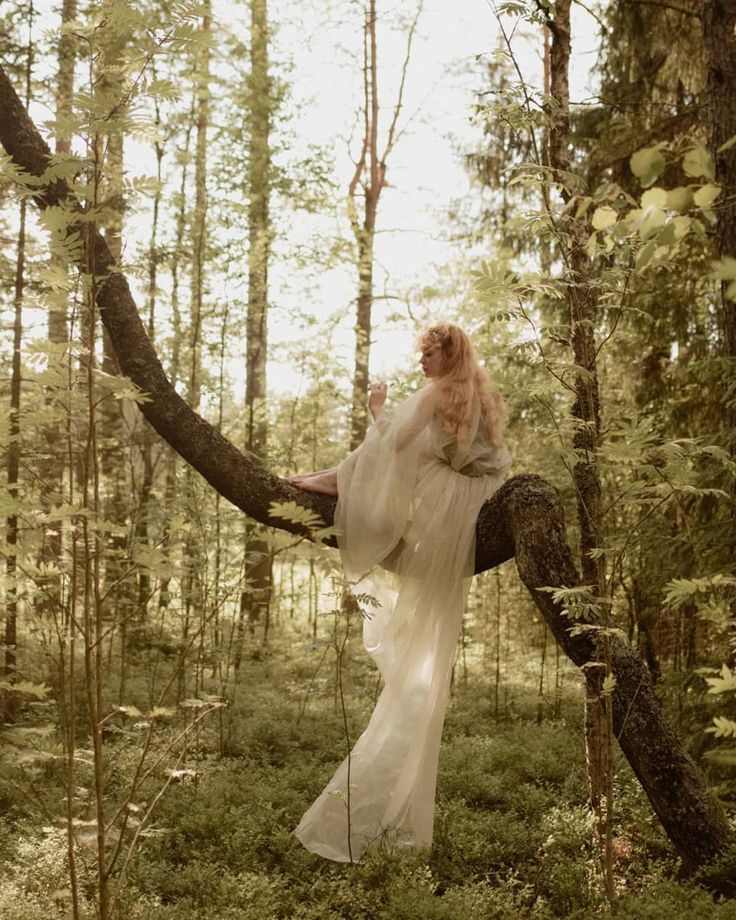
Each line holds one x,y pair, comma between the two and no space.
478,457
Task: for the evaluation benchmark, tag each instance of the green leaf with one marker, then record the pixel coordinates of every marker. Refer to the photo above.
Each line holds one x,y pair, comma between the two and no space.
723,684
724,756
609,685
25,687
652,218
679,198
297,514
698,162
724,269
681,225
164,89
726,145
604,217
131,712
654,196
722,727
647,164
706,195
645,254
161,712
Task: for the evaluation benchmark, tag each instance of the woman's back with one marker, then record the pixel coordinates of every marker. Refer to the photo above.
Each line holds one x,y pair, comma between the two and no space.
476,458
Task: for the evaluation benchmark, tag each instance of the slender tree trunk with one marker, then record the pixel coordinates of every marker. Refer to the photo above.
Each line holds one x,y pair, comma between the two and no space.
50,466
370,178
141,525
719,41
52,477
199,218
364,230
9,700
359,414
175,365
109,91
586,412
255,599
13,469
192,593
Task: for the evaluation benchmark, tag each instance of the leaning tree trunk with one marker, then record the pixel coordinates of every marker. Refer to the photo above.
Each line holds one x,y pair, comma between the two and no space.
523,519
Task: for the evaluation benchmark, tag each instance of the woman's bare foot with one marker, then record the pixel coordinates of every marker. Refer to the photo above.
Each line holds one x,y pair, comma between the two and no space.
326,483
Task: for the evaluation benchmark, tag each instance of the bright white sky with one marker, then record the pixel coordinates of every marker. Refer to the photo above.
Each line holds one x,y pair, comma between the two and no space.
424,169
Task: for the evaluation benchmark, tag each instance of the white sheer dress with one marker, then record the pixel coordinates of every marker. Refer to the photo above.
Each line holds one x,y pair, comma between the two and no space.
409,498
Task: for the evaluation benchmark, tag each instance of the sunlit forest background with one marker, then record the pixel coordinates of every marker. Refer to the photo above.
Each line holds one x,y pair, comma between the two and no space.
293,193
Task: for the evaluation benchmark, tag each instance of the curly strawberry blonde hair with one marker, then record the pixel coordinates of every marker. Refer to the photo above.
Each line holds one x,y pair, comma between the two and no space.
462,379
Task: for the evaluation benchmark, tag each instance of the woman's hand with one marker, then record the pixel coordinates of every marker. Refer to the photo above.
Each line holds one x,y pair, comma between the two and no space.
377,398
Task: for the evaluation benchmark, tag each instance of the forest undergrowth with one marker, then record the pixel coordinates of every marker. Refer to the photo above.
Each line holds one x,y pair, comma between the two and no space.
513,832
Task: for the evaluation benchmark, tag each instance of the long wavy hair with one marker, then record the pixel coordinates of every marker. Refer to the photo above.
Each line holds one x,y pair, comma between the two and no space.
461,380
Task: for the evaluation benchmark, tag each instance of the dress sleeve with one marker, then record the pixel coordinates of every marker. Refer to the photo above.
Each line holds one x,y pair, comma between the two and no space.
418,420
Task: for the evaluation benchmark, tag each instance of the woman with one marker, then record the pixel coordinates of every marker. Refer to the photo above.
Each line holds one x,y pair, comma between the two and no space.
408,500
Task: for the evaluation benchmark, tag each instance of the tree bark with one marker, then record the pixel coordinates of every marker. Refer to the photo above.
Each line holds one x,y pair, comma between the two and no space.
719,41
114,429
523,519
364,230
255,599
51,466
586,412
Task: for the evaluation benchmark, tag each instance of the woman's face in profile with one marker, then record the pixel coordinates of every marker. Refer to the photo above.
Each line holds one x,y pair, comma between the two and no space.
432,360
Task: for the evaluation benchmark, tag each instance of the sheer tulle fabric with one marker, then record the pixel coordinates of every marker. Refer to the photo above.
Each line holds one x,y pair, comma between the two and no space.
407,519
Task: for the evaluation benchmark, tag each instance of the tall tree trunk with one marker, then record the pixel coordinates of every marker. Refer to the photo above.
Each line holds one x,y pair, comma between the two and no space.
143,510
719,40
370,177
255,599
50,466
586,412
192,592
175,363
199,218
9,700
57,323
364,230
523,519
113,429
13,468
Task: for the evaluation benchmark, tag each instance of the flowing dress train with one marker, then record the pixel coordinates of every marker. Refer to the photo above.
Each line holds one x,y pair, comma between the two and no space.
408,501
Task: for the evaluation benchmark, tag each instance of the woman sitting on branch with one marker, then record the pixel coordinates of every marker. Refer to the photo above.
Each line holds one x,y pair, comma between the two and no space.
408,501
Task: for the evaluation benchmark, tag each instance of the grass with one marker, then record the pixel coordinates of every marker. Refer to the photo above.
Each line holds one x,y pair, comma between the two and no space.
512,830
